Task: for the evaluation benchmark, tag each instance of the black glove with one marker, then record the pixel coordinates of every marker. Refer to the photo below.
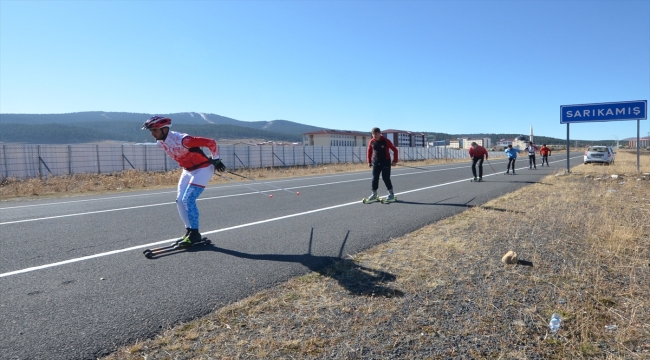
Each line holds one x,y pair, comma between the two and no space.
218,165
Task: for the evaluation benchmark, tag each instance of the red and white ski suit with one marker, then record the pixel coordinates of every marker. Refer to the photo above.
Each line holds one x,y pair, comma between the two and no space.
197,171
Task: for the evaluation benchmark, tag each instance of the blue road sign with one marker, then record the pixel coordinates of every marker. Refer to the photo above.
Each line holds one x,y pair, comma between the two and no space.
625,110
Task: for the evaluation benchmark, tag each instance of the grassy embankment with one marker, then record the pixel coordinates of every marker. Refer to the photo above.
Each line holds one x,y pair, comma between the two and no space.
442,291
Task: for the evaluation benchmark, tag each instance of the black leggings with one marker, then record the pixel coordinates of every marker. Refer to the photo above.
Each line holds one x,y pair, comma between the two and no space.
384,170
544,158
511,161
531,161
478,160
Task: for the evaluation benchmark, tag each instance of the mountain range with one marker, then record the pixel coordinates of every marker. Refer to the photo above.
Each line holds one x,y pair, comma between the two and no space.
95,126
92,126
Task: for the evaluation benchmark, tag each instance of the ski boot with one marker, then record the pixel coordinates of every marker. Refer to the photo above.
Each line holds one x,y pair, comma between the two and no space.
480,179
187,233
372,198
507,172
390,198
188,240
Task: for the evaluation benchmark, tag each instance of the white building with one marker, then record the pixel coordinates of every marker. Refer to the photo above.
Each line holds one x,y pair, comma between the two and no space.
405,138
335,138
505,142
485,142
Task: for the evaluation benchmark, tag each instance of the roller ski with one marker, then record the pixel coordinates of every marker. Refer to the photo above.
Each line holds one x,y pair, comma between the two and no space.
191,239
477,179
372,198
389,199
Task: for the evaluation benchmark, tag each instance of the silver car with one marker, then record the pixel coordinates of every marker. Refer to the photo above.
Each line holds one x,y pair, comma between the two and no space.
599,154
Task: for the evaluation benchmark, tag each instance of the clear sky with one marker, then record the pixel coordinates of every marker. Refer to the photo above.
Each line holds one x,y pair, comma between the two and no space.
443,66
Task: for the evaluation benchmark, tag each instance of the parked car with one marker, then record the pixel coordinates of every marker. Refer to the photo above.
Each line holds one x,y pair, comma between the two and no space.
599,154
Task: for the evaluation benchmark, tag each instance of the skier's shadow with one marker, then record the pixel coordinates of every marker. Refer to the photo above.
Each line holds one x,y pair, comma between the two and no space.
465,205
357,279
521,182
440,202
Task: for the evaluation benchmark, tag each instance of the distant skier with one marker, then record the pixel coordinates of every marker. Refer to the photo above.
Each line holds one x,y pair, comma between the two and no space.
477,153
379,160
512,157
197,170
531,155
545,152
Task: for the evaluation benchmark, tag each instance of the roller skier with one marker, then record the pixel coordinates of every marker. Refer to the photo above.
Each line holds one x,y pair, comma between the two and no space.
545,151
512,157
378,156
198,168
477,153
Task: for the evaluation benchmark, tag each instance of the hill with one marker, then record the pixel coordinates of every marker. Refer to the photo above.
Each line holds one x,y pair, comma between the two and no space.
195,118
83,132
92,126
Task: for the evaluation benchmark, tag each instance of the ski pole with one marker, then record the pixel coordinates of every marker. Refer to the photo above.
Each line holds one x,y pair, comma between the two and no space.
240,184
262,182
488,161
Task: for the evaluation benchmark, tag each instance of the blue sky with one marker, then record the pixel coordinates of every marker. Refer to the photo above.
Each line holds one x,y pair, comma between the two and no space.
443,66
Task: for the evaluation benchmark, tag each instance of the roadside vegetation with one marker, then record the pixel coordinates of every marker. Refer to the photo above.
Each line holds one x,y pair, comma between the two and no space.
583,244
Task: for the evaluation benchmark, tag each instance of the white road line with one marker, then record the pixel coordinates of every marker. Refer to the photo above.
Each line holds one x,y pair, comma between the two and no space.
41,267
207,188
86,200
202,199
174,191
46,266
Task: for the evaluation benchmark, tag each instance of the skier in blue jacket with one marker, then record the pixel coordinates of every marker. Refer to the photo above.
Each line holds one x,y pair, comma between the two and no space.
512,156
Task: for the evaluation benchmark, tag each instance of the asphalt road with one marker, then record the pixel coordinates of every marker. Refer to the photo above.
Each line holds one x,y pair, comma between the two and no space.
74,283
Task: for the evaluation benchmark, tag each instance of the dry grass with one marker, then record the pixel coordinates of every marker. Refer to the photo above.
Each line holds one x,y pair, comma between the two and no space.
85,184
442,292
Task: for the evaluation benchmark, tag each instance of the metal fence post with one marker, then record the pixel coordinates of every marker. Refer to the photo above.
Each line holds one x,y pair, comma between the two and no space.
123,165
99,170
69,159
38,153
261,156
145,157
4,153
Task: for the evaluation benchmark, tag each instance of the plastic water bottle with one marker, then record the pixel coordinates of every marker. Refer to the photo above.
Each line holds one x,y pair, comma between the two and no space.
555,322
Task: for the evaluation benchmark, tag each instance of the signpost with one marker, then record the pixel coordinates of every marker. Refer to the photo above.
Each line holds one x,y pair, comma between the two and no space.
613,111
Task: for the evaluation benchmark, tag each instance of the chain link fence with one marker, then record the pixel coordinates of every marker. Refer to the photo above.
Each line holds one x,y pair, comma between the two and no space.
28,161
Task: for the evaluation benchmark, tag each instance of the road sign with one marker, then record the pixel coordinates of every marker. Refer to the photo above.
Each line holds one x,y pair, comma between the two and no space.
614,111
